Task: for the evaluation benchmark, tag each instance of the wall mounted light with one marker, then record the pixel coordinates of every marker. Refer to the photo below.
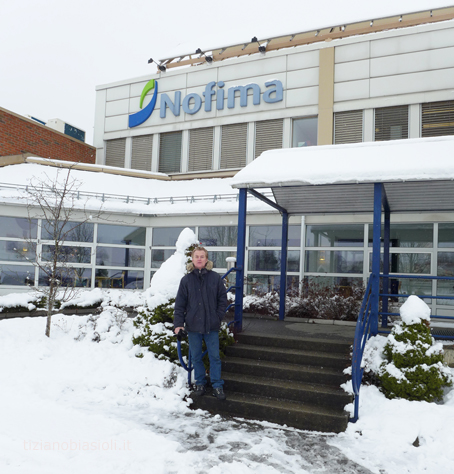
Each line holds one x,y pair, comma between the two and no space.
208,58
161,67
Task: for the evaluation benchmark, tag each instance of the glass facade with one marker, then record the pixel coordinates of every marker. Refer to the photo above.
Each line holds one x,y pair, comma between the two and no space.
116,256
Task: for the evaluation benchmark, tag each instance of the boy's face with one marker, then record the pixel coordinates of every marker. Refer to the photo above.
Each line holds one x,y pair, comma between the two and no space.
199,259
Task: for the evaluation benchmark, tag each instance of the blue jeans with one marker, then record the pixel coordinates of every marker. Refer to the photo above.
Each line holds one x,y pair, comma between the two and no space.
212,342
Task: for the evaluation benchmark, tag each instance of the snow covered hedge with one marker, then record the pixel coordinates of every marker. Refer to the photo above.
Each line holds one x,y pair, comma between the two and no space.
316,301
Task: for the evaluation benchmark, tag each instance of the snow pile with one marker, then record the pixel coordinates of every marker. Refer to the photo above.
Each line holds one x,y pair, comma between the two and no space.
166,280
86,299
19,300
78,398
414,311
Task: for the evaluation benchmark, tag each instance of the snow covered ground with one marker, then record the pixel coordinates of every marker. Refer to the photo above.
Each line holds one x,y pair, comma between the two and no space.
71,404
81,401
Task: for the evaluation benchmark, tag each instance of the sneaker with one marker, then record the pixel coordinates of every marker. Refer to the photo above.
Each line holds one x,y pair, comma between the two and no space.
219,393
199,390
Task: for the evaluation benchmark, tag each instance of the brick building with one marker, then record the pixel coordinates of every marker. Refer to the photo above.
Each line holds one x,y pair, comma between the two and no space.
20,135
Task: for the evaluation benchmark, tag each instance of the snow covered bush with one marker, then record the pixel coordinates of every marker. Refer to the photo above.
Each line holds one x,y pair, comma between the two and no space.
316,301
413,368
156,332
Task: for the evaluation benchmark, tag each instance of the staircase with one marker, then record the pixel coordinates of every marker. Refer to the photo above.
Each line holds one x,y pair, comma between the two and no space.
285,380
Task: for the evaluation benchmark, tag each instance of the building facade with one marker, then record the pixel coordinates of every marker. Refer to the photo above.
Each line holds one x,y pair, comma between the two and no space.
20,136
212,119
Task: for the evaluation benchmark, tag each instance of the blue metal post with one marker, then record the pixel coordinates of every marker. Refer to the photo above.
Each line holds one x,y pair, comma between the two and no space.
375,276
240,254
283,283
387,235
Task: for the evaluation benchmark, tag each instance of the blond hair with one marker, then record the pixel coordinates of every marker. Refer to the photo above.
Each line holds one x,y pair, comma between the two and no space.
203,249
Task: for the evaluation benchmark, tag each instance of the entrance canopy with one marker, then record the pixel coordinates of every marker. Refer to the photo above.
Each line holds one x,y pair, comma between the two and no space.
417,176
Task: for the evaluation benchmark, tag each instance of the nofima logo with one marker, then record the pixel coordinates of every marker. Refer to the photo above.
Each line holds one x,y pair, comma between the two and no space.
192,103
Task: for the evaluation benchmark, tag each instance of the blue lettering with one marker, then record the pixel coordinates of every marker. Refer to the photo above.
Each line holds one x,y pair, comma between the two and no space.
197,103
174,107
243,95
278,89
220,96
207,94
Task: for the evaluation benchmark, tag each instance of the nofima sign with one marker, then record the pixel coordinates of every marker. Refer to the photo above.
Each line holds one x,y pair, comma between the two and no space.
192,103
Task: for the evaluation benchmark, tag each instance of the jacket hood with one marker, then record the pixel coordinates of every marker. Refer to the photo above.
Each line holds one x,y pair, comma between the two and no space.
190,266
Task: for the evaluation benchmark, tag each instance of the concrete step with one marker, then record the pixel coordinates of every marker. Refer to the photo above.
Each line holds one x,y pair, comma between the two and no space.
306,393
283,412
308,343
291,356
284,371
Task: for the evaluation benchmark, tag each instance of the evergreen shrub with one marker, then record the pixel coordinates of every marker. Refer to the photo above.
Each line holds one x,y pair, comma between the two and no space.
413,368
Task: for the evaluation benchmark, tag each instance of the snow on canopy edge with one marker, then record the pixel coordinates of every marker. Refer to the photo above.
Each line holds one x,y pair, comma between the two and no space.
396,160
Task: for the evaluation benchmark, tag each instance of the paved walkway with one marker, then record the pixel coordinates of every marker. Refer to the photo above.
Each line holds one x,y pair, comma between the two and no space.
295,327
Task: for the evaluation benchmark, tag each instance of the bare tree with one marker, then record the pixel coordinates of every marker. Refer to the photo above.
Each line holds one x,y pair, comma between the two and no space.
64,218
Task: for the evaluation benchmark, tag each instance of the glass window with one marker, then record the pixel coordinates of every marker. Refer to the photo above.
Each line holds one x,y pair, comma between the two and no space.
67,254
446,235
18,227
262,284
445,264
445,288
409,286
218,236
271,236
167,236
120,257
69,231
118,279
121,234
21,275
170,152
334,261
159,256
437,118
335,235
270,260
391,123
333,282
218,258
70,277
304,132
407,235
405,262
15,251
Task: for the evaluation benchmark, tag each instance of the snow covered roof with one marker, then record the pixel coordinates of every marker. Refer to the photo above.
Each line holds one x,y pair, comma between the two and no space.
417,173
128,194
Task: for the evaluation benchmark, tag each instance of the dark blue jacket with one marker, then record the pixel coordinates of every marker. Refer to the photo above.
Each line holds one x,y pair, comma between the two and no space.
201,301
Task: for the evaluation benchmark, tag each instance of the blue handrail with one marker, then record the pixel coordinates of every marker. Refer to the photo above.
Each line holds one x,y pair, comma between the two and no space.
362,334
189,367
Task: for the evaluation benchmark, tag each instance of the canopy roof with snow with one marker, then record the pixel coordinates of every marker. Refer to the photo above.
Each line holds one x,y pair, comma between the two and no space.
417,175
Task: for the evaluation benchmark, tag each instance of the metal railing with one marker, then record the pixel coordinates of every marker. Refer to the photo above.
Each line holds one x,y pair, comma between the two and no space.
385,314
188,367
362,334
104,197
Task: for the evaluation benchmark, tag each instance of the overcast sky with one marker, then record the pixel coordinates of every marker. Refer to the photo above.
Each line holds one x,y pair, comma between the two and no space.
54,53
